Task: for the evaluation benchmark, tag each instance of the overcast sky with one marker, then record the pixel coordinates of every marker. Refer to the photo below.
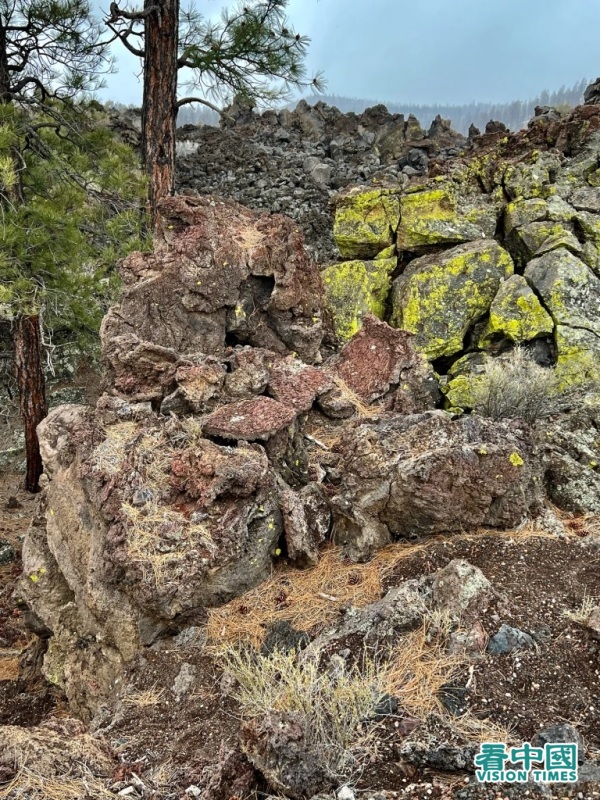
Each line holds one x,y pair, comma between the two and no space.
428,51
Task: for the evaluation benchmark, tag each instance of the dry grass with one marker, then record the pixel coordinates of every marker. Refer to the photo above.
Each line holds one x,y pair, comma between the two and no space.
417,671
315,596
9,668
304,598
145,698
361,408
147,531
581,614
32,785
108,455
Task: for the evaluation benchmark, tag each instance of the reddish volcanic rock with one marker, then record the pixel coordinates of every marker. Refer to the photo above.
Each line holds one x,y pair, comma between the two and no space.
250,420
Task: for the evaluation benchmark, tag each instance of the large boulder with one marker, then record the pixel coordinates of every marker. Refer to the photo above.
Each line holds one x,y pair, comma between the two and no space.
219,274
366,221
354,289
516,314
439,216
571,293
427,474
143,522
383,363
439,297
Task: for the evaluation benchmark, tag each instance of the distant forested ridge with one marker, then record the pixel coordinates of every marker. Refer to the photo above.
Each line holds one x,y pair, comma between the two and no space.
514,115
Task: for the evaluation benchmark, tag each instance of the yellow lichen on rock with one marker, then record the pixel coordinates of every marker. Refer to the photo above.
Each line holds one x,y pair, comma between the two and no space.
516,314
356,288
366,221
440,296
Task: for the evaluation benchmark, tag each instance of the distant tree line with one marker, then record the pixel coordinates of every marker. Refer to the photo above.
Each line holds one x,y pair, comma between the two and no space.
514,115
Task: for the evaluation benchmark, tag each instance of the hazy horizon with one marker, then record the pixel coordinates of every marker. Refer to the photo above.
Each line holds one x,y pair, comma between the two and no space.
429,53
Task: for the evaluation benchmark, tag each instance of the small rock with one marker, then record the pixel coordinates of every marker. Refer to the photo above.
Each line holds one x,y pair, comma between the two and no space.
561,733
454,699
12,504
283,637
193,791
7,552
593,621
509,640
346,793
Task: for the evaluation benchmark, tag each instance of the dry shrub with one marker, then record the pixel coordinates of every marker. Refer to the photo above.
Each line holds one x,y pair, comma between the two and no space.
9,668
581,614
333,705
29,784
515,386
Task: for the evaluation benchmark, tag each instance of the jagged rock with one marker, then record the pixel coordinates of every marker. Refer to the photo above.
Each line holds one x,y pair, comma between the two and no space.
354,289
591,96
460,591
198,388
463,379
571,456
365,221
99,569
568,288
516,314
538,238
276,745
306,522
381,361
250,371
561,733
435,217
250,420
426,473
522,212
593,621
509,640
219,270
438,297
295,384
283,638
531,179
571,293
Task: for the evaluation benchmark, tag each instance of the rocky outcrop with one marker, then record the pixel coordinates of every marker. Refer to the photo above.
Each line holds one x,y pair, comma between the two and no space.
398,473
294,162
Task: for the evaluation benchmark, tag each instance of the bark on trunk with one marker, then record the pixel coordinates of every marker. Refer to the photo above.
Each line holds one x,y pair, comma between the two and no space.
159,108
29,371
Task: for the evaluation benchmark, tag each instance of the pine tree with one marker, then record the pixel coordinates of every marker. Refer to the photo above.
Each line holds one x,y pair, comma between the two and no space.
252,50
68,191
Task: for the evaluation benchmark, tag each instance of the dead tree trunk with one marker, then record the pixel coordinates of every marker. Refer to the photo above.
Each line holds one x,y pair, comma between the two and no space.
29,371
159,108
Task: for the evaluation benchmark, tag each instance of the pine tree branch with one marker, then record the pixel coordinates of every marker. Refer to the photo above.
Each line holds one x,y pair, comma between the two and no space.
186,100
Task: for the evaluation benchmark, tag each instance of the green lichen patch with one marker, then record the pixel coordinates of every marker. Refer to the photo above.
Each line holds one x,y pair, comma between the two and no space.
366,221
568,288
439,297
522,212
538,238
356,288
435,216
578,357
516,314
464,378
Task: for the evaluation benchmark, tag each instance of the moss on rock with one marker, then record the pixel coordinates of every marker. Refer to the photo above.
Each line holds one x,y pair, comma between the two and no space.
366,221
439,297
354,289
516,314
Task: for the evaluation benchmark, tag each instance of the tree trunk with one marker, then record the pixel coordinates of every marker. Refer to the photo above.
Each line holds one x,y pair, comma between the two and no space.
159,107
29,371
